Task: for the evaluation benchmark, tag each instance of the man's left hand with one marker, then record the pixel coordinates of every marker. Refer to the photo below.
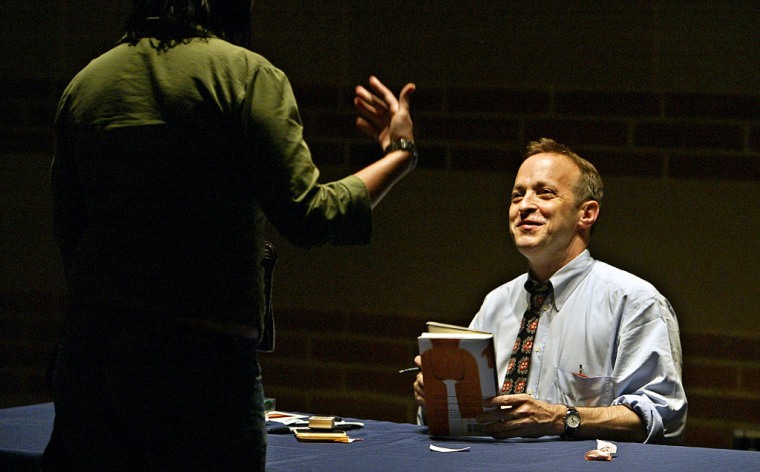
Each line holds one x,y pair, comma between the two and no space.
522,416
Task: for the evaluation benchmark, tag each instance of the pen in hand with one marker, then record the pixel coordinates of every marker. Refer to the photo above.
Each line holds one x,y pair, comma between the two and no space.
409,370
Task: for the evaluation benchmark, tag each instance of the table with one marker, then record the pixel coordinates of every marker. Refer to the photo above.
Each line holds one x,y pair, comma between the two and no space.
387,446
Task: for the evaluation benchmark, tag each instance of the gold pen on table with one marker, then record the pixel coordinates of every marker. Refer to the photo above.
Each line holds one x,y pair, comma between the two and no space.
409,370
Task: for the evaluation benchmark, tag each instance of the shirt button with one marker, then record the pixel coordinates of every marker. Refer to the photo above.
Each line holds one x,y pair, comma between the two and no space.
545,307
537,349
530,392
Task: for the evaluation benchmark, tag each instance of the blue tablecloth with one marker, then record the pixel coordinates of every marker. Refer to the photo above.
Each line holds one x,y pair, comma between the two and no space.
386,446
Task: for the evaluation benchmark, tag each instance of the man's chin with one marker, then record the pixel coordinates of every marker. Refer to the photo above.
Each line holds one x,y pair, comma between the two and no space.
527,242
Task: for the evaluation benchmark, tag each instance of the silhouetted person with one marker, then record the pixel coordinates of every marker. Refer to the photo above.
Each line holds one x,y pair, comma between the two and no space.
173,148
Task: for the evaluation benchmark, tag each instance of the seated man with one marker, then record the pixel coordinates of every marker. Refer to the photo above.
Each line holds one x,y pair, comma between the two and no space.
584,349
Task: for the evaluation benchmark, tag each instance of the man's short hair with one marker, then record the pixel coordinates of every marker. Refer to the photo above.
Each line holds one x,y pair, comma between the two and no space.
588,186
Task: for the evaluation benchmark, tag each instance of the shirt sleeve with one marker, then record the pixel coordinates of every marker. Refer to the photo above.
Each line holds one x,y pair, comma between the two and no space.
647,374
307,212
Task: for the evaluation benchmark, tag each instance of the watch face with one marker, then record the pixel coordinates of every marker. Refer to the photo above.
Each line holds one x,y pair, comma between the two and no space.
573,420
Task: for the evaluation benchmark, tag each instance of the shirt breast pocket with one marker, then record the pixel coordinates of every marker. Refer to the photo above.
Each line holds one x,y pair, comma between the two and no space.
581,390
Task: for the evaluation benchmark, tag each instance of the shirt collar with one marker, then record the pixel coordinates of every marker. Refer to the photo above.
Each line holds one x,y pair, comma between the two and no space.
565,280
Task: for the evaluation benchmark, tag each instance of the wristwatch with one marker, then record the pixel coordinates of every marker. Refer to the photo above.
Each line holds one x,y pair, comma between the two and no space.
572,422
402,144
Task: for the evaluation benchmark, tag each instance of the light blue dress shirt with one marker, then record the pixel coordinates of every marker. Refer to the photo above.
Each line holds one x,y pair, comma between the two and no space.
618,327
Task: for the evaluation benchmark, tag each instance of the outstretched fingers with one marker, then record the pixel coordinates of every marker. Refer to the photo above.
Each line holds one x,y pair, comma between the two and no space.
387,96
373,112
406,92
380,114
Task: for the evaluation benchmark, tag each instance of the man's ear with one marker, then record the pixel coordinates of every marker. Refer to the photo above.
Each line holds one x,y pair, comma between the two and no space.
589,213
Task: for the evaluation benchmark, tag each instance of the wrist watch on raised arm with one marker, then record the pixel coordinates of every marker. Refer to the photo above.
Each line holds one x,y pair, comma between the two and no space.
572,422
402,144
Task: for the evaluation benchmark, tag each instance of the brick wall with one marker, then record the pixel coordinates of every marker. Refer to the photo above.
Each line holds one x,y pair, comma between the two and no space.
343,363
722,379
349,368
660,135
347,364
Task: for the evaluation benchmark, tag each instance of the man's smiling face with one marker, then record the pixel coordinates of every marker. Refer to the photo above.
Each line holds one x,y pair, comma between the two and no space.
543,213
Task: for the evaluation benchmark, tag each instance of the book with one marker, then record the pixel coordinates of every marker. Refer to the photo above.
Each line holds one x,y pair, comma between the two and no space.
459,371
329,435
436,327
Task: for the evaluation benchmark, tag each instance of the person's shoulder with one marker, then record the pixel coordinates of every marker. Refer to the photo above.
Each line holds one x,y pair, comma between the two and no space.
498,302
104,60
622,280
101,69
637,300
220,48
508,287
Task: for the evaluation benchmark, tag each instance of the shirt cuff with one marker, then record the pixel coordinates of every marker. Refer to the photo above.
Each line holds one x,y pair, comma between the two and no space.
359,230
646,410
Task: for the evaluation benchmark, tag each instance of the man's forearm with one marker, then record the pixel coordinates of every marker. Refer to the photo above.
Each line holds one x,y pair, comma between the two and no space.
382,174
614,423
524,416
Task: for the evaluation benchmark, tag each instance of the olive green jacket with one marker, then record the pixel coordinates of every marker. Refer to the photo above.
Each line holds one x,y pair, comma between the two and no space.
168,164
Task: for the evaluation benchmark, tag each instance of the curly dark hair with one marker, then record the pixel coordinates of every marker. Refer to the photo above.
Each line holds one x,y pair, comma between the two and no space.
172,22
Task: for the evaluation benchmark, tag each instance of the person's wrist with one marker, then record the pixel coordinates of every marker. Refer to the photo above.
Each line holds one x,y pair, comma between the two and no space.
571,421
559,419
403,144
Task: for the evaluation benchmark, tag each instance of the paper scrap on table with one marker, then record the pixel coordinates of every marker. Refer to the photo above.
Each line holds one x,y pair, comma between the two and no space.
604,451
283,417
606,447
446,449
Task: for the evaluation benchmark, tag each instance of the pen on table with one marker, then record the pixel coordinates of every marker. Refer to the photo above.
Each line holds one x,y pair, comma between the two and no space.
409,370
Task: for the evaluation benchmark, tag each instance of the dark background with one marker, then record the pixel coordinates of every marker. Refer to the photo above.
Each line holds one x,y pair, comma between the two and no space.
661,95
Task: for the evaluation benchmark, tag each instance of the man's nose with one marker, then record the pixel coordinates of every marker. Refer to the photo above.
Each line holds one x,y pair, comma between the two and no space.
527,204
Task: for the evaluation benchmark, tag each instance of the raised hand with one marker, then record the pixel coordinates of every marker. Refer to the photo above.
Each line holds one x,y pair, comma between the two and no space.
381,115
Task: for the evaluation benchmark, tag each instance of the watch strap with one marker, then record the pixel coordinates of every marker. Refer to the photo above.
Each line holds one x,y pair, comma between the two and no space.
402,144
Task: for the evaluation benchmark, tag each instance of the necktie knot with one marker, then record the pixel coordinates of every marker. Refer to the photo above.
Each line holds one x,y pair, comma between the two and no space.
538,292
